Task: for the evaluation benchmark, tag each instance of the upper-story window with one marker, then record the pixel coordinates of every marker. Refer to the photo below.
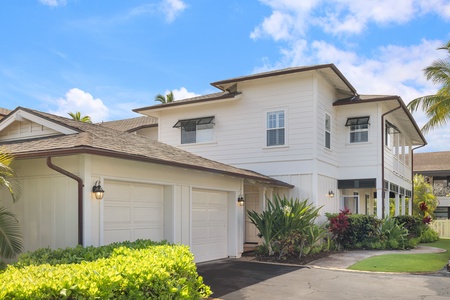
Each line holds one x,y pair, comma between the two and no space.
359,129
197,130
327,131
389,138
276,128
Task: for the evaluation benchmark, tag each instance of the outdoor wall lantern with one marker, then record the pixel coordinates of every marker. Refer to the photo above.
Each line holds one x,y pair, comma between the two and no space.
98,191
331,194
240,200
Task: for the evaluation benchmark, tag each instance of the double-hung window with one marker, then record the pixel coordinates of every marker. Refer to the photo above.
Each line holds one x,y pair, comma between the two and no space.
276,128
197,130
359,129
327,131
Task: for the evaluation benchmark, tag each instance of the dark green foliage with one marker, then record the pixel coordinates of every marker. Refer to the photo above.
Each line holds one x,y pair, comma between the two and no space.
354,231
413,224
78,254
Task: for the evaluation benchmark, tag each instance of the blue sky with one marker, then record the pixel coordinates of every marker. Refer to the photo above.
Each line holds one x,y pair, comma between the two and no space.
104,58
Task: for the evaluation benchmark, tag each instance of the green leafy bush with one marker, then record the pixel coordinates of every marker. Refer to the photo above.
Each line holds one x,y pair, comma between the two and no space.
78,254
413,224
155,272
354,231
429,235
287,227
394,235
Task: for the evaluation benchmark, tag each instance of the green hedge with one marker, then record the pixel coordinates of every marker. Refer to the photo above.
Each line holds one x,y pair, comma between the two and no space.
78,254
156,272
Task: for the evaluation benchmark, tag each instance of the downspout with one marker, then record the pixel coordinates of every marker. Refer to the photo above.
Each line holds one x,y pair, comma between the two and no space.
382,157
80,195
412,174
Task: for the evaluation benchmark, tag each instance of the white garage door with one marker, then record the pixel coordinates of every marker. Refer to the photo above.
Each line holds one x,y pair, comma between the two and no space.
132,211
209,225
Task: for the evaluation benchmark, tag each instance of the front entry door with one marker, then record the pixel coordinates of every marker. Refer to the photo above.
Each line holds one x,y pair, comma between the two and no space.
251,203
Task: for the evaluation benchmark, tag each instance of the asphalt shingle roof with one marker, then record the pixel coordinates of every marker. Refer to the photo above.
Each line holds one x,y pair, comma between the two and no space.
432,161
130,125
101,140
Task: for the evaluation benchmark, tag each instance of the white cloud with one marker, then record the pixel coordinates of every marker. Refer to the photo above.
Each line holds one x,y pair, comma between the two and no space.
78,100
172,8
53,3
292,18
181,93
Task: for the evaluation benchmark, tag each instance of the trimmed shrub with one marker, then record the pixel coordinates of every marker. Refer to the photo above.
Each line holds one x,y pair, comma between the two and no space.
353,231
156,272
429,235
145,272
78,254
414,225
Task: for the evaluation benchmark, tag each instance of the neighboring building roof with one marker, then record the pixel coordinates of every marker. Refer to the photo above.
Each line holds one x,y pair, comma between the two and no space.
131,125
432,163
228,86
4,112
397,108
100,140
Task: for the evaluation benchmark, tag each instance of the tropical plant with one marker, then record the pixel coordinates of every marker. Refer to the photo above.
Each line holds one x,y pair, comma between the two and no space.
286,225
424,202
437,106
165,98
11,242
77,116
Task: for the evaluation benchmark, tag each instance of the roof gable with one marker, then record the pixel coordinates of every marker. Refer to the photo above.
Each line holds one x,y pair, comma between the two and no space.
22,124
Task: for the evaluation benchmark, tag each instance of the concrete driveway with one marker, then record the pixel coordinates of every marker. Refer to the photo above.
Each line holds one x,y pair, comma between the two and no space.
235,279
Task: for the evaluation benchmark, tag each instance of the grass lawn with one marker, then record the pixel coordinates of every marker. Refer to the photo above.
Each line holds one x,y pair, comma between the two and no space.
431,262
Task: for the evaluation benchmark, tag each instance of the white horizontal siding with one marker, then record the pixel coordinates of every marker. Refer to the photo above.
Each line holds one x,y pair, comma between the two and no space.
240,128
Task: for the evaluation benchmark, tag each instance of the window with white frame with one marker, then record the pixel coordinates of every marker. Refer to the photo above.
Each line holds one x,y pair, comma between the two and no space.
199,130
327,131
390,131
359,129
276,128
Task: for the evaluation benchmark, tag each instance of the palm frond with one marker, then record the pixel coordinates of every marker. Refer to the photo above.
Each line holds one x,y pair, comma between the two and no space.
11,241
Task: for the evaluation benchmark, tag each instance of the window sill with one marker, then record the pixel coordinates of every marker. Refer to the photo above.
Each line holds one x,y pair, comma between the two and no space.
276,147
199,144
358,143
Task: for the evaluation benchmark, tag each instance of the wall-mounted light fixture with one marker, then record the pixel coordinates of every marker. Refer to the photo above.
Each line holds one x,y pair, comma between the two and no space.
330,194
241,200
98,191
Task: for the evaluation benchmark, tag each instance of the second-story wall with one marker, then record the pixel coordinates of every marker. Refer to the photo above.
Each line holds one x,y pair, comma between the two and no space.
240,125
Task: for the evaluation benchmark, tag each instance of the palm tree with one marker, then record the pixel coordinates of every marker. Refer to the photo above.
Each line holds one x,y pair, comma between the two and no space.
11,242
437,106
77,116
165,99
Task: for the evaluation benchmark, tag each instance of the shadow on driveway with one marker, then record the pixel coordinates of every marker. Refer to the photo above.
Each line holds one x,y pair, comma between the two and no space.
229,276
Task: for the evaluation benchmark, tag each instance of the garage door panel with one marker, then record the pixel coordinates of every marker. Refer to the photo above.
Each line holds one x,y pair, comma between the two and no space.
209,225
133,211
148,214
115,214
117,235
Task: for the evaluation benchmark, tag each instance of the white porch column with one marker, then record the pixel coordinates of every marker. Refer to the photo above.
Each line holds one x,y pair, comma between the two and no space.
397,204
403,201
380,203
386,203
410,206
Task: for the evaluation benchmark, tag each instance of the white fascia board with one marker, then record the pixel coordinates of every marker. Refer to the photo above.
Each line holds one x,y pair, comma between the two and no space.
20,115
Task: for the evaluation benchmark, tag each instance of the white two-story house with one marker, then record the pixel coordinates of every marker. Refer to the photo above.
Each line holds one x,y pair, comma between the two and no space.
306,126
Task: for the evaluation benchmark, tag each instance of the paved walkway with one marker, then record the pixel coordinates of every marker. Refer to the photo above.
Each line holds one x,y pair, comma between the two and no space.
344,260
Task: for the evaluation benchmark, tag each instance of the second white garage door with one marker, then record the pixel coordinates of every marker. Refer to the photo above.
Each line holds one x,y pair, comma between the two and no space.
132,211
209,225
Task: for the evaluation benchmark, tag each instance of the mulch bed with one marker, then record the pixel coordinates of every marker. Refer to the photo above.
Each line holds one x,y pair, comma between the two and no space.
294,260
